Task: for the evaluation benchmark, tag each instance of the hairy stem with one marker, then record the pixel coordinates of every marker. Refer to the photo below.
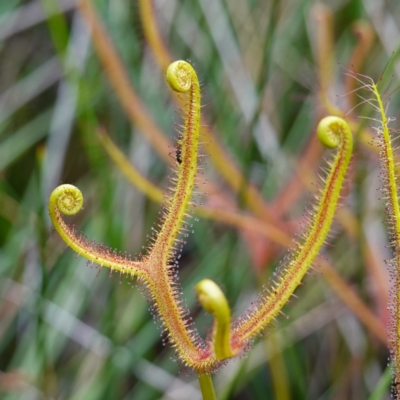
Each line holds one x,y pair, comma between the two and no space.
68,200
333,132
390,192
182,78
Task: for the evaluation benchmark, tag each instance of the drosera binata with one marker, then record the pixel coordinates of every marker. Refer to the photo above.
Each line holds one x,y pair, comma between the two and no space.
157,269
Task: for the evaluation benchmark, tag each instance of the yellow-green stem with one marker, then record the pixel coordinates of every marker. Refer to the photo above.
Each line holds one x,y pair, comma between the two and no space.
182,78
207,387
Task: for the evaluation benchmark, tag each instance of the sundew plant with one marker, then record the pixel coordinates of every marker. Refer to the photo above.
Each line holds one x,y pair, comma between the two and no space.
199,199
157,268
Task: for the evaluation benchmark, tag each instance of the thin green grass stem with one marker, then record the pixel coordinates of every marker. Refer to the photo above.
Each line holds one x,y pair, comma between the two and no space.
382,387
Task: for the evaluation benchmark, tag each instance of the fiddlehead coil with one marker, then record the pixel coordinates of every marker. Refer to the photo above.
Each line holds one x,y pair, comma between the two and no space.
69,199
180,76
328,131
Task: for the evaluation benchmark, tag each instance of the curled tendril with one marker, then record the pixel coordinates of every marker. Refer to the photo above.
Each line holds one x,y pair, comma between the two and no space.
180,76
214,301
301,257
328,131
69,199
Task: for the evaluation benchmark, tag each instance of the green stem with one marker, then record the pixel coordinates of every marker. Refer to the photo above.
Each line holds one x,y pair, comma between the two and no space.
207,387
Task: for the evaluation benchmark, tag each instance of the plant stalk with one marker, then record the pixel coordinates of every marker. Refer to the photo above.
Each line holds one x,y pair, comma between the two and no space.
207,387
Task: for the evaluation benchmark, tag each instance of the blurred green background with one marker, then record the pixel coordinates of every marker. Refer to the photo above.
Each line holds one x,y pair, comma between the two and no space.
68,331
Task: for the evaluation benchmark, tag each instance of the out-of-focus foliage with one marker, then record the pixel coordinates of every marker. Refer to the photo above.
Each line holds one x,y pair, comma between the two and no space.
271,68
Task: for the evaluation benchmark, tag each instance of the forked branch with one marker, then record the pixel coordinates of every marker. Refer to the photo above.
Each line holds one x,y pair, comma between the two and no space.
157,269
